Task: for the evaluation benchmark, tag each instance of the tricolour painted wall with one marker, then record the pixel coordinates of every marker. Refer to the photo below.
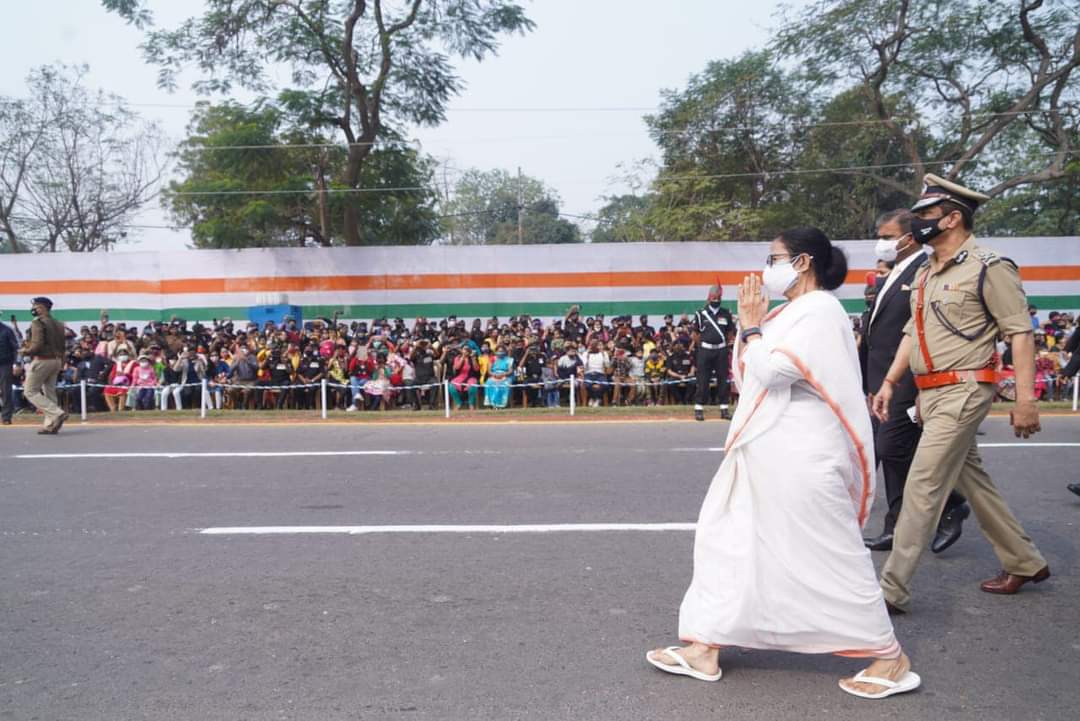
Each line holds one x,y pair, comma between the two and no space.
470,282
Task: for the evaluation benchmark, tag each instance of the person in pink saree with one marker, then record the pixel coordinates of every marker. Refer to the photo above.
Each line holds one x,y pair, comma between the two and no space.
779,559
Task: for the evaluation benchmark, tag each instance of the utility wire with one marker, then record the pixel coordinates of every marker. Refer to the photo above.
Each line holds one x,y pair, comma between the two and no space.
703,131
717,176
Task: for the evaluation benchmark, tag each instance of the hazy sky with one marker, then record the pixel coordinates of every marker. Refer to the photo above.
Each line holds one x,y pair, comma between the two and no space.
589,72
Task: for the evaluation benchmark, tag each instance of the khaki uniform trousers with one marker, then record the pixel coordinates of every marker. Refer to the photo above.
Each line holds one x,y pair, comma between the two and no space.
948,457
40,388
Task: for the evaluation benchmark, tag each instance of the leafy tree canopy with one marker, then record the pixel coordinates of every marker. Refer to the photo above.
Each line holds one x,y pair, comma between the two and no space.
853,102
357,67
257,176
485,207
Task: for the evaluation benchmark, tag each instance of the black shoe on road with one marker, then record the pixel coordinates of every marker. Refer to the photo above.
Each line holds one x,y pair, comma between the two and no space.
699,415
59,422
725,414
950,528
1074,487
881,543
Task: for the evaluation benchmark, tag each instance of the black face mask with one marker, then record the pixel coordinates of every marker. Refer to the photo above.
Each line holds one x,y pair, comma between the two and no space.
923,230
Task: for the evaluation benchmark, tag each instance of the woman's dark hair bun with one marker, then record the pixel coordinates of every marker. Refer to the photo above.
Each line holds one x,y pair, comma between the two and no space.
835,272
829,262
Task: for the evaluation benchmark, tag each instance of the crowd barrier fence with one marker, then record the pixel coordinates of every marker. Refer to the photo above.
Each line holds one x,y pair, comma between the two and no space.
324,385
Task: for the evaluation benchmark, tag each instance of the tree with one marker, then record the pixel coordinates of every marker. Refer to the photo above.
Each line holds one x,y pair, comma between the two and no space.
970,71
75,166
726,142
257,176
485,205
1049,208
844,134
360,66
624,219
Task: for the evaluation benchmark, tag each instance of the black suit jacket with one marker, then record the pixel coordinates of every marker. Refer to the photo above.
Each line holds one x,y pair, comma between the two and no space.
882,338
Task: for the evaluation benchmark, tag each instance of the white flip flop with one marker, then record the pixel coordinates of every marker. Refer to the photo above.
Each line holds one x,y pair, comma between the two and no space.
909,682
681,667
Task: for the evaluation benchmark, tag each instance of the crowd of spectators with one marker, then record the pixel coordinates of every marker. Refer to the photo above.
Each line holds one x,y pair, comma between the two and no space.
382,365
388,364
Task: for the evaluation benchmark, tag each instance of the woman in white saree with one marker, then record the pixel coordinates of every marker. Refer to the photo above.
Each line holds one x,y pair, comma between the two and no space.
779,560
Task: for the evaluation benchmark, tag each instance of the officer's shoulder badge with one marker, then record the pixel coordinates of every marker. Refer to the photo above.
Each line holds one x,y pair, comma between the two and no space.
960,257
986,256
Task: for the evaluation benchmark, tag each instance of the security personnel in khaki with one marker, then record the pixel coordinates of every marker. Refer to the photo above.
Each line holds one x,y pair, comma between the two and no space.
46,346
961,299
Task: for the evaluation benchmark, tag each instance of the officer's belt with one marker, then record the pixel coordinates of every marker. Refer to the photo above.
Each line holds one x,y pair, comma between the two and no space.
712,346
952,378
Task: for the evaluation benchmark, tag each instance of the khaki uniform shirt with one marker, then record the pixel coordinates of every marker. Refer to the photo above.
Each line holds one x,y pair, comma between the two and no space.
47,337
952,294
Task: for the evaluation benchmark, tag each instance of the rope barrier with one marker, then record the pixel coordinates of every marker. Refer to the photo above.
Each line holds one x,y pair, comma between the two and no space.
212,387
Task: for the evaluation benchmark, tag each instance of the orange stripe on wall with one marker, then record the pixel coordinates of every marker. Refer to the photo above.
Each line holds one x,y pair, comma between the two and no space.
433,281
45,287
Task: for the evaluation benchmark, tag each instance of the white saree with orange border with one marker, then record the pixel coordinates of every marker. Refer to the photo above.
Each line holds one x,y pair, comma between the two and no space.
779,560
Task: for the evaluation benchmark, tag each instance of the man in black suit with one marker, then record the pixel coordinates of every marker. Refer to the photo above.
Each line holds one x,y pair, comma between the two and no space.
9,351
895,440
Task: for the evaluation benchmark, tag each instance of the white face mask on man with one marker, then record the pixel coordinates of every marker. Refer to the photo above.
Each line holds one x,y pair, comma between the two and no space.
779,277
886,248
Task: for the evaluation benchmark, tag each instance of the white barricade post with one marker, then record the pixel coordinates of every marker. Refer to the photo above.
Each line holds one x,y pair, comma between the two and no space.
572,385
446,397
205,399
82,400
322,392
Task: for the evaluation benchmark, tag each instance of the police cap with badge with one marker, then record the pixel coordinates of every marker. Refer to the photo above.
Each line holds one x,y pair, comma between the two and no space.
935,191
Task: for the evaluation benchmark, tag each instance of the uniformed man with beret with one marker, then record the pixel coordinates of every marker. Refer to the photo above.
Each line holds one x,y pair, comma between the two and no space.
713,324
962,298
46,347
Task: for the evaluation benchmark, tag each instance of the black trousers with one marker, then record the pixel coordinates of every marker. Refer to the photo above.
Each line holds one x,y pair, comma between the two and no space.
709,361
7,394
419,396
895,442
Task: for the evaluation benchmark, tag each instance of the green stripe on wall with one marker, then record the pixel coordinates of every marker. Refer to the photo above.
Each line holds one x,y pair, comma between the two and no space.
461,310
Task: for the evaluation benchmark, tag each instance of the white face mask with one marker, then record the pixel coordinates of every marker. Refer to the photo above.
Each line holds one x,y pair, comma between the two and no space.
887,249
778,277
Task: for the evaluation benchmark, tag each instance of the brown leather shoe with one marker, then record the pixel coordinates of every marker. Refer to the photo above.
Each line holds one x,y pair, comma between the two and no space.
1008,584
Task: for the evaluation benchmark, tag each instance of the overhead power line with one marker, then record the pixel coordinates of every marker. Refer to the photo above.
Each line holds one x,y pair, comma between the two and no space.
566,136
716,176
841,169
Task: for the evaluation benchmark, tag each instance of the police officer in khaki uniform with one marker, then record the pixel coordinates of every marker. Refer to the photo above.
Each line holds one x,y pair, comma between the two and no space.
962,298
46,347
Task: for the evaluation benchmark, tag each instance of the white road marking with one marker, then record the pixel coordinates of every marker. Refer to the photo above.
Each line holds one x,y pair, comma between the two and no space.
218,454
527,528
1019,444
481,452
1029,445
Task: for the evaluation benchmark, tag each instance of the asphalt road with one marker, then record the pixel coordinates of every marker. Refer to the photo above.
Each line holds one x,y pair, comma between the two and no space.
114,606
